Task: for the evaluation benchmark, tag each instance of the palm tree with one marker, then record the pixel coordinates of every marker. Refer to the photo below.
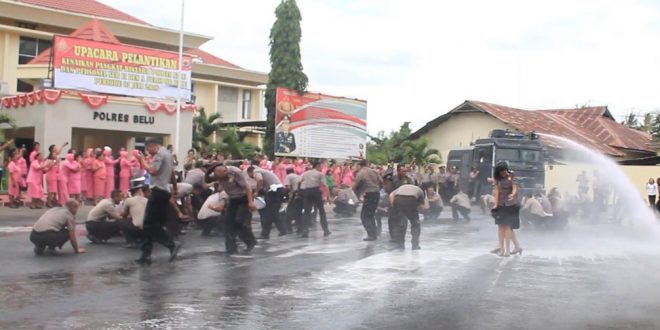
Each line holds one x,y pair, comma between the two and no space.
203,127
232,144
631,121
419,152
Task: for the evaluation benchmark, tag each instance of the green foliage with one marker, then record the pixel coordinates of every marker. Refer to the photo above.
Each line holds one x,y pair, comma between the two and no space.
631,121
6,119
232,144
285,61
399,148
203,127
655,128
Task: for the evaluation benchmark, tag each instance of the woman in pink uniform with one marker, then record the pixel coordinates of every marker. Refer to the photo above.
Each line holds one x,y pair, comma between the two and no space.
22,164
124,172
51,180
35,150
299,167
110,164
87,176
71,166
98,168
16,180
347,175
35,180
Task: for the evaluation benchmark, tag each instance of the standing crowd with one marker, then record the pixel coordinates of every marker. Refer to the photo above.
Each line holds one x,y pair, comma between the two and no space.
149,201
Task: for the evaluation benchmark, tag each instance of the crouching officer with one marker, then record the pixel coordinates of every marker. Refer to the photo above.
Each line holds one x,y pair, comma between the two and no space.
406,202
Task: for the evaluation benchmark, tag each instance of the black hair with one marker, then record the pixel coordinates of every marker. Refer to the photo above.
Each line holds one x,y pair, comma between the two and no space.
255,162
289,171
115,193
501,166
51,147
250,169
198,186
363,163
199,163
151,141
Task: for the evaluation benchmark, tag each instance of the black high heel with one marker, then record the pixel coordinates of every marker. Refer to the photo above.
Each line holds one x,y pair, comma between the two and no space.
518,251
496,251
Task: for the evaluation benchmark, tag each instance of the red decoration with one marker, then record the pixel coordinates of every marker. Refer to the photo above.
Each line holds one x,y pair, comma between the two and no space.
52,95
6,102
169,108
94,101
39,95
30,98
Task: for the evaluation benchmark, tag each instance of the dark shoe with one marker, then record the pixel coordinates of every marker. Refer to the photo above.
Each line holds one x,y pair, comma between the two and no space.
517,251
327,233
369,239
39,250
496,251
416,247
265,238
250,247
93,239
144,261
304,235
282,234
174,252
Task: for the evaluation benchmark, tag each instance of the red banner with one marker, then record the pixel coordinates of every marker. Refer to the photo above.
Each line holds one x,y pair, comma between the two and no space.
88,65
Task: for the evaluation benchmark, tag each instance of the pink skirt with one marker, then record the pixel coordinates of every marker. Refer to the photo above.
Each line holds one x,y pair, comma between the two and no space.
99,187
89,178
14,188
63,192
74,187
51,186
124,183
35,191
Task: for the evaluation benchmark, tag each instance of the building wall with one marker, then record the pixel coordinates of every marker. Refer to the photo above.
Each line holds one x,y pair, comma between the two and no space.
9,59
564,177
460,130
58,123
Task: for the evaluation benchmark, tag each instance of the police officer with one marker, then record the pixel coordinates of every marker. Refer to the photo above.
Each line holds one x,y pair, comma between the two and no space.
241,204
406,202
269,186
311,183
368,182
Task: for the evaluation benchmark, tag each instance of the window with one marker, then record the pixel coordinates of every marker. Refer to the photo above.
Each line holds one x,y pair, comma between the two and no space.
247,105
510,155
23,87
29,48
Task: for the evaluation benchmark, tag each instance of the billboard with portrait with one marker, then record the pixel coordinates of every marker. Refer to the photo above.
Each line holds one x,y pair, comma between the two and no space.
319,126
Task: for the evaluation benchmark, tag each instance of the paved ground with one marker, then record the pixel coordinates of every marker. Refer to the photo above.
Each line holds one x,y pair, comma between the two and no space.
588,277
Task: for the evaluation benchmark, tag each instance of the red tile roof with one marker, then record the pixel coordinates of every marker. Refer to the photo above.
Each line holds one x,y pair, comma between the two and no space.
92,30
95,30
88,7
593,126
210,58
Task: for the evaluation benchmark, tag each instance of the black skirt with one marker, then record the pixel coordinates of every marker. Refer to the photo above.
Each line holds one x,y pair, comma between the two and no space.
507,215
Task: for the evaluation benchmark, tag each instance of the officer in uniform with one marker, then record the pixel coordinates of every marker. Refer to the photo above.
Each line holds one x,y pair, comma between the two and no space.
368,183
406,202
241,204
269,186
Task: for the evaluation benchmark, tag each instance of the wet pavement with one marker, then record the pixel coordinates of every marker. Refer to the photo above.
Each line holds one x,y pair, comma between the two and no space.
587,277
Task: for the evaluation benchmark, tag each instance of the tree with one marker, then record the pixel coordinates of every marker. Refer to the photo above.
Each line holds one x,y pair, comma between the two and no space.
399,148
286,66
203,127
7,119
232,144
631,121
655,128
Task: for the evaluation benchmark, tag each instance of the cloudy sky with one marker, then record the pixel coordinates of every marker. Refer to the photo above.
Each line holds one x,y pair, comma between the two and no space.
414,60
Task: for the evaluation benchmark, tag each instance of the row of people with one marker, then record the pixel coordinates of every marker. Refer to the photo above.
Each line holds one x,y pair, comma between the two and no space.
82,177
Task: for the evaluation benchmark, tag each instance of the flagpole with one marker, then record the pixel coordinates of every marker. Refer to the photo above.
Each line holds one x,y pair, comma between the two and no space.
178,100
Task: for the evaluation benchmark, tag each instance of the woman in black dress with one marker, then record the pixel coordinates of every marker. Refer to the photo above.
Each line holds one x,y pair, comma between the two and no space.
506,212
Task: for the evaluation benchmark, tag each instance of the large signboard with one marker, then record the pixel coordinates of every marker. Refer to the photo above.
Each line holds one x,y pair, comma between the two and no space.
106,68
319,126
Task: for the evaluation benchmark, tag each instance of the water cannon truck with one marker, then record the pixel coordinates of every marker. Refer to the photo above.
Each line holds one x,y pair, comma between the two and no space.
523,152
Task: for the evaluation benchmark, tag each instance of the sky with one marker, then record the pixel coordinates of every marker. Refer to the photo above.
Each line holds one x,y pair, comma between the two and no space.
414,60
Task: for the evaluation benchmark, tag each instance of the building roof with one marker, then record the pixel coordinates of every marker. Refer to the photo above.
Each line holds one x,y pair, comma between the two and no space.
95,30
208,58
592,126
87,7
